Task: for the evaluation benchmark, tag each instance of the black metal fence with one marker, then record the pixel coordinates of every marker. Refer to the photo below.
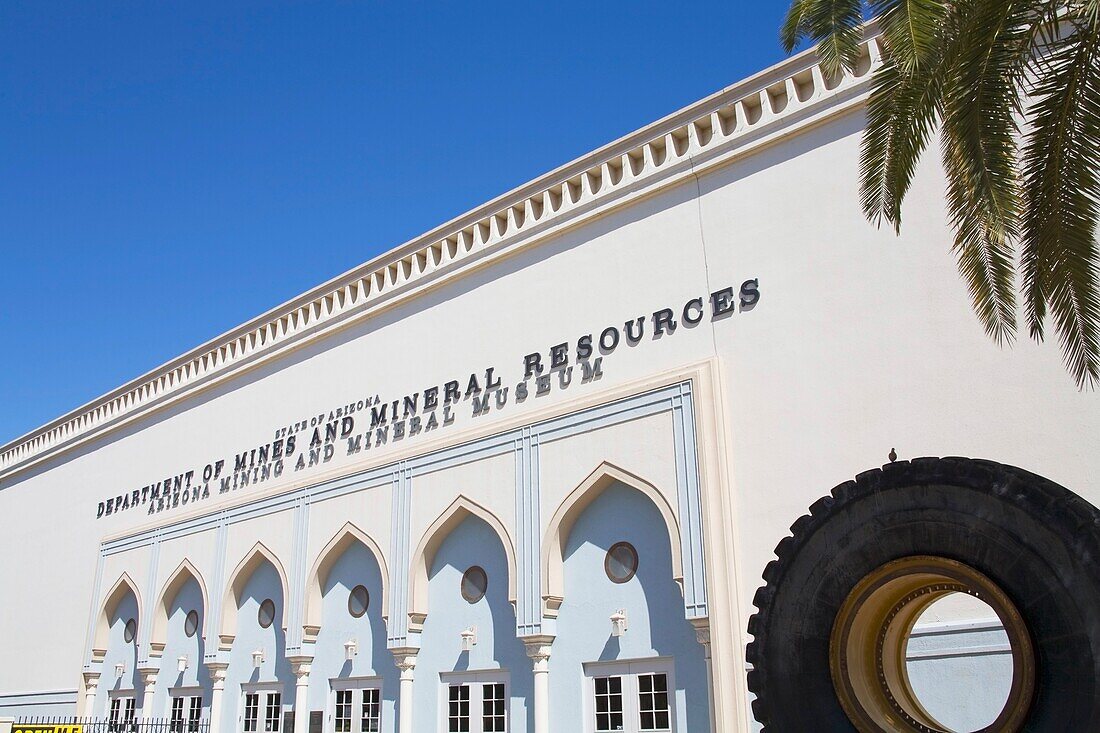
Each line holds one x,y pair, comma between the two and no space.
120,725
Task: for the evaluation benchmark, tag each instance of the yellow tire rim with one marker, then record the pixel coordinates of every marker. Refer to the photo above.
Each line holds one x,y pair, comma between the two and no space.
867,649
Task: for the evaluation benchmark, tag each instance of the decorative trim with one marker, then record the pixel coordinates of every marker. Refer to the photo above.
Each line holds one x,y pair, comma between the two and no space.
777,102
523,442
398,626
528,531
690,504
298,569
44,697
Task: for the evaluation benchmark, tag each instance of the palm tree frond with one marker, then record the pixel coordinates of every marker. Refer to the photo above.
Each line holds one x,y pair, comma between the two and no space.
835,25
1060,261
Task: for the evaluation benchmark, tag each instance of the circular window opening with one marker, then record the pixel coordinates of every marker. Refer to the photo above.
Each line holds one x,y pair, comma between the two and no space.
358,600
621,562
191,623
898,651
943,678
266,614
129,633
474,584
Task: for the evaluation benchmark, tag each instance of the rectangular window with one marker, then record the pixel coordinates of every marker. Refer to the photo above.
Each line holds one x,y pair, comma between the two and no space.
113,717
458,709
492,707
342,716
176,717
609,703
251,711
371,718
633,696
653,702
194,715
274,712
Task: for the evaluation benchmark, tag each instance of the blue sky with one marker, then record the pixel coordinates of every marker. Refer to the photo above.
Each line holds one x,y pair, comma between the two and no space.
169,170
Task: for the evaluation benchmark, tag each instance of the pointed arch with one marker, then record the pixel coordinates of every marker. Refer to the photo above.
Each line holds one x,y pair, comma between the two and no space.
347,536
422,559
561,525
184,572
123,586
253,559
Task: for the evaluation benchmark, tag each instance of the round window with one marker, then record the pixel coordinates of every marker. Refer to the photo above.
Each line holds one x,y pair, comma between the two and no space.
130,632
474,584
191,623
621,562
266,614
358,601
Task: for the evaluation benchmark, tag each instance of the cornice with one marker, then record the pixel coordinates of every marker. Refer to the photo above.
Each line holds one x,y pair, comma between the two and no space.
774,104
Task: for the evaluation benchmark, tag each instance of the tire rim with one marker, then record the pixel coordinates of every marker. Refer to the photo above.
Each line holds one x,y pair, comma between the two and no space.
867,648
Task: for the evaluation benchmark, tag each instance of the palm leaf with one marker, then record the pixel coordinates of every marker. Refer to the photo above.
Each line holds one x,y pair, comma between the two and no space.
834,24
1061,159
981,107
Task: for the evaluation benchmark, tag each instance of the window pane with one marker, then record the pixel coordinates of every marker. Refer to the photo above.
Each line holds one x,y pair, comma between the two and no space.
194,715
251,711
609,703
342,717
653,702
274,712
372,711
458,709
492,708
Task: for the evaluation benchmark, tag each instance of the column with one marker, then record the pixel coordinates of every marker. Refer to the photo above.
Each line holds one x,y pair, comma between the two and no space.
702,635
217,678
91,688
538,649
405,658
301,667
149,679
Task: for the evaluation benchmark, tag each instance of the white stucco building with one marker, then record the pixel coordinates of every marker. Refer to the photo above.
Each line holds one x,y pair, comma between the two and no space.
526,471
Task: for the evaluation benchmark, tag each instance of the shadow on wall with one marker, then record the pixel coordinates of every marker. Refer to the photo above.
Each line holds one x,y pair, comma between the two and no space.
179,643
652,600
121,651
355,566
472,543
274,673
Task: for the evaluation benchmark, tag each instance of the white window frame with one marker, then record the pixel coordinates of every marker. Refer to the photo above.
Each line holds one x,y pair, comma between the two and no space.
354,684
187,694
475,679
264,690
629,670
127,714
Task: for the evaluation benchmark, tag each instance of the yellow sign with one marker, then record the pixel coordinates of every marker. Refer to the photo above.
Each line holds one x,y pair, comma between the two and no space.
22,728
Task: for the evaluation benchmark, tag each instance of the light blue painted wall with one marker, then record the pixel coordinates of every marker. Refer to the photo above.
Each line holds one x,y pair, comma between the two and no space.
964,691
653,603
119,651
264,583
473,542
177,644
356,566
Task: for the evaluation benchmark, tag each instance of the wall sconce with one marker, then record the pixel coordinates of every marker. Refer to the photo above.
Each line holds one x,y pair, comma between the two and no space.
469,638
351,648
257,658
120,669
181,664
618,622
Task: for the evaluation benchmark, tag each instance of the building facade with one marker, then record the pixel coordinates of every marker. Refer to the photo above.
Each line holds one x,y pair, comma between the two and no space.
525,472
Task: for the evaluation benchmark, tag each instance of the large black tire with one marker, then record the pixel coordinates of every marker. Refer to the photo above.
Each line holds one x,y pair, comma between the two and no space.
1037,540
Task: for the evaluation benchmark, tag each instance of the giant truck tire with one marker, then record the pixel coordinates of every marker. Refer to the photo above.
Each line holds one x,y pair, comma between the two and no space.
828,649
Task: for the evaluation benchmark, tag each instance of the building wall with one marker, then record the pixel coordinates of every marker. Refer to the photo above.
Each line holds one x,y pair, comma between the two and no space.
860,342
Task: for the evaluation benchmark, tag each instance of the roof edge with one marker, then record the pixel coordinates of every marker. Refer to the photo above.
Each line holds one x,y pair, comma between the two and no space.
780,91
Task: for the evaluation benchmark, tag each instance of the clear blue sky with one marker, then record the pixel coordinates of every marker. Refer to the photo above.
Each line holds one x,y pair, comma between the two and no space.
169,170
